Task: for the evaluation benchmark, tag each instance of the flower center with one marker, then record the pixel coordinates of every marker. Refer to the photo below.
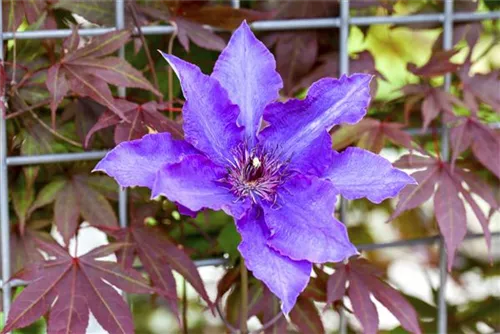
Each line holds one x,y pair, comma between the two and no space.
256,173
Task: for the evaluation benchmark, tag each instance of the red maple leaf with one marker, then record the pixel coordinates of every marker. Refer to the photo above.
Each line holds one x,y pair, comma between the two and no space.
157,254
68,288
449,208
371,134
484,141
88,70
434,101
142,118
73,198
189,17
364,280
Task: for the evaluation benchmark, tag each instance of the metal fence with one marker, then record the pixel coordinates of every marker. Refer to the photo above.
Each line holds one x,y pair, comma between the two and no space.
343,23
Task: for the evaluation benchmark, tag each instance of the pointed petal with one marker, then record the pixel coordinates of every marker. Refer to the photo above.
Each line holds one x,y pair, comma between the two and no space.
284,277
194,183
136,162
302,224
297,123
357,173
247,70
209,116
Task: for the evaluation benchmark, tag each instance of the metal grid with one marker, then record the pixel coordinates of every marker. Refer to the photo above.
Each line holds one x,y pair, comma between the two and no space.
343,23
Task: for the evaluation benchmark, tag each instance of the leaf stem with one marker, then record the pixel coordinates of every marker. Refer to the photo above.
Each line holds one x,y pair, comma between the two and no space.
151,64
30,108
170,71
244,297
184,308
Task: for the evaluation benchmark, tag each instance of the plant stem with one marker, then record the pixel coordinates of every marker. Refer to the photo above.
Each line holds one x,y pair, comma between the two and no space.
184,308
170,71
244,297
146,48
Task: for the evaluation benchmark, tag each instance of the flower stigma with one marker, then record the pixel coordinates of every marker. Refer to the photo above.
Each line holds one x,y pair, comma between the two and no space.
256,173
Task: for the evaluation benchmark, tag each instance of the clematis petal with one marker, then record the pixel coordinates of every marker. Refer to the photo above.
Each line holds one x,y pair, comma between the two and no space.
247,70
135,163
357,173
193,183
316,158
208,114
296,124
284,277
302,224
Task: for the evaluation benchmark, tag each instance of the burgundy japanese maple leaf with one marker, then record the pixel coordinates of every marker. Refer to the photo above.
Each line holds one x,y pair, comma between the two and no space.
68,288
484,141
365,280
157,254
73,198
142,119
88,70
190,16
449,208
371,134
480,88
434,101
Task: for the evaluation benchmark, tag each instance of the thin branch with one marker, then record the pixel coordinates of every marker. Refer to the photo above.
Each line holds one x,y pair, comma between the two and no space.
170,71
244,297
184,307
268,324
54,132
146,48
30,108
235,330
231,328
48,128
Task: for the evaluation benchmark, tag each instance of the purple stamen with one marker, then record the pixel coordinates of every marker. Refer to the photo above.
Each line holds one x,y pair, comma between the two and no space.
256,173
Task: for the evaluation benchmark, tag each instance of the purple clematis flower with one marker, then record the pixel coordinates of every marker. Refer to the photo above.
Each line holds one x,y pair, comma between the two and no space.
279,183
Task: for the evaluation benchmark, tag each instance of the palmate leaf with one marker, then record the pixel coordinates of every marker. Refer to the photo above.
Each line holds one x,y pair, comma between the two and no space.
480,87
449,208
158,255
23,243
438,64
68,288
371,134
88,70
434,101
364,281
484,142
14,11
142,119
306,317
75,197
190,16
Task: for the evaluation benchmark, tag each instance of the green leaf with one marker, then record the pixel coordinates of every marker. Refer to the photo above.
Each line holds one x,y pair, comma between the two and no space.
22,197
47,194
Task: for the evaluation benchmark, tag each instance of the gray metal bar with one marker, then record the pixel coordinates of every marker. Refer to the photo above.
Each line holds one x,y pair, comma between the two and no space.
25,160
4,194
445,152
405,19
236,4
296,24
417,241
344,70
271,25
122,192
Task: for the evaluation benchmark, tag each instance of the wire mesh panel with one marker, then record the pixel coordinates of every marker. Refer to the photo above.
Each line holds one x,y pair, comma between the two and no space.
343,23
